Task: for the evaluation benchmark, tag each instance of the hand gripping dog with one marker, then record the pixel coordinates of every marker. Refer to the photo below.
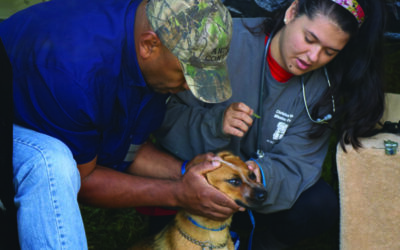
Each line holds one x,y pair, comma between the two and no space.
188,231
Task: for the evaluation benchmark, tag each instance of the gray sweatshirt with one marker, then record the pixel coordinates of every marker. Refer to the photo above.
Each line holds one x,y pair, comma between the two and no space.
292,162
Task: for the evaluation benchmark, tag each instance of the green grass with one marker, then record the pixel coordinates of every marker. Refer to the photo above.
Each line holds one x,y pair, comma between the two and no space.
109,229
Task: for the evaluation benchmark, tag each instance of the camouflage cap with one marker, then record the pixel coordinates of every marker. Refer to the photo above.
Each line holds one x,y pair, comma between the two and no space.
198,33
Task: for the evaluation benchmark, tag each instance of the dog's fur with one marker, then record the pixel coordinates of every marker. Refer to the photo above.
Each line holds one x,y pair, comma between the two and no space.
234,179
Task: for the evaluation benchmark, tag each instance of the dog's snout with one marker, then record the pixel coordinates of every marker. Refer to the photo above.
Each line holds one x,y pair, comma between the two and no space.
257,197
260,195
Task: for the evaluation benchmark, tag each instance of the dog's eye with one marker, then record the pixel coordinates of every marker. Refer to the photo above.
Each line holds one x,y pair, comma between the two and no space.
235,182
252,176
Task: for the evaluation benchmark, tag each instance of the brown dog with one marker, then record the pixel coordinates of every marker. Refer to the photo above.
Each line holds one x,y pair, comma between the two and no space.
189,231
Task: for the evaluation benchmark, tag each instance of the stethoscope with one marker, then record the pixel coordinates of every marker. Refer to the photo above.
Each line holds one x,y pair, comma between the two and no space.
260,153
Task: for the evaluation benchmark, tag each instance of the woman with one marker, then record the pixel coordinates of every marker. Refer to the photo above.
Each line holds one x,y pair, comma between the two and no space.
322,73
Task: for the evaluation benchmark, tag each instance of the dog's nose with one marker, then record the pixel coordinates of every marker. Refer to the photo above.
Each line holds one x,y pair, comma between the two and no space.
260,195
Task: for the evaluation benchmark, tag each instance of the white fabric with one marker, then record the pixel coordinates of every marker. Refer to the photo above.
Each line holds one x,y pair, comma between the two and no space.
392,111
369,184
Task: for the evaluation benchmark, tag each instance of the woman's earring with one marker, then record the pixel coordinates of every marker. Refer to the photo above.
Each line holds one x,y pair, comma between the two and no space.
285,20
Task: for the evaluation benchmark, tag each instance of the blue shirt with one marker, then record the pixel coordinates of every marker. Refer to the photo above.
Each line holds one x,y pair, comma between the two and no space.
76,77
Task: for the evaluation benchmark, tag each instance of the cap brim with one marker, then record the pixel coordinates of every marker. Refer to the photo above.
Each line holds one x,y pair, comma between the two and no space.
208,84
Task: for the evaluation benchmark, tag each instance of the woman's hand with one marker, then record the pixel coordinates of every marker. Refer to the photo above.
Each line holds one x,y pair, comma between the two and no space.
256,170
237,119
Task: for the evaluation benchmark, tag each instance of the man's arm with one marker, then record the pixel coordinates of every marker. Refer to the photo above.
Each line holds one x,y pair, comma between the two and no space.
106,187
163,165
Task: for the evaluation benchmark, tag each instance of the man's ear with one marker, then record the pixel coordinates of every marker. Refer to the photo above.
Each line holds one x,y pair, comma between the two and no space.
291,12
149,44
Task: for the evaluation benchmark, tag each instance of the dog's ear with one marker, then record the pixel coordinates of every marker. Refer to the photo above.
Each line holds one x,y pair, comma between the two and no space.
230,157
222,154
225,154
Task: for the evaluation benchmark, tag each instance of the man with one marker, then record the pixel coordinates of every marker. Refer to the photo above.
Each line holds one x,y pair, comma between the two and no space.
90,83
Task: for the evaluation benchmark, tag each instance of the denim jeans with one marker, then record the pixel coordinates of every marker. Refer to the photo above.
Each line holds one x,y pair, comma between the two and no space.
46,182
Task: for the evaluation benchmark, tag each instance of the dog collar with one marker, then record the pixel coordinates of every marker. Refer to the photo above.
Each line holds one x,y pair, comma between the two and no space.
203,244
206,228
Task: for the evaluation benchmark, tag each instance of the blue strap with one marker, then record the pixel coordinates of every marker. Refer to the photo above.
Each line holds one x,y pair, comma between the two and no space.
183,167
235,239
206,228
261,170
253,223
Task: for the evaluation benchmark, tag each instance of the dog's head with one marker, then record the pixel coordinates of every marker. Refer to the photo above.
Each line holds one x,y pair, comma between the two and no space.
236,180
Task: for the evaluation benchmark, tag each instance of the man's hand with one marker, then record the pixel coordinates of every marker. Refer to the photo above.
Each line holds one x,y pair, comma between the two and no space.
199,197
237,119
